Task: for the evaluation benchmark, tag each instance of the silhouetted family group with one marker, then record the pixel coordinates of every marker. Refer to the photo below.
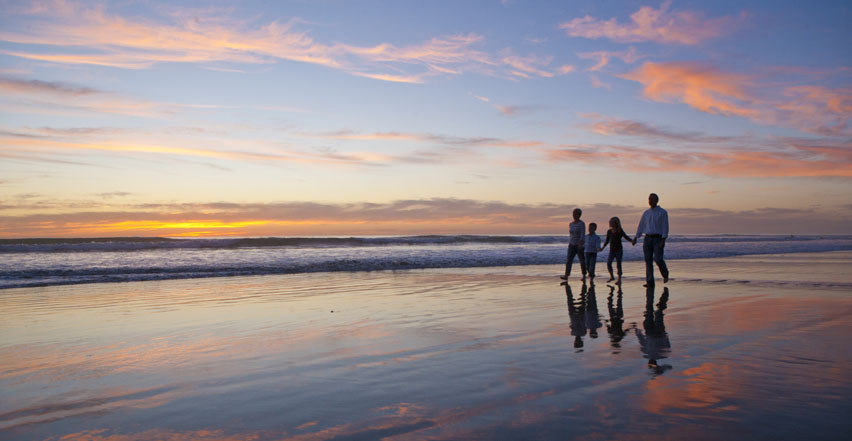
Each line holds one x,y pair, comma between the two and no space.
654,225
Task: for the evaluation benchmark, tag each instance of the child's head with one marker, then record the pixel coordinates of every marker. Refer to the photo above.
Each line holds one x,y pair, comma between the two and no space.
615,223
577,213
593,227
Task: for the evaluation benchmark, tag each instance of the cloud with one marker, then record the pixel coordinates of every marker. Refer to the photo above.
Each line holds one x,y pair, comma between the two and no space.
566,69
700,86
631,128
814,109
12,85
510,110
824,111
654,25
795,161
48,97
411,216
603,57
428,138
92,35
528,67
113,194
25,148
596,82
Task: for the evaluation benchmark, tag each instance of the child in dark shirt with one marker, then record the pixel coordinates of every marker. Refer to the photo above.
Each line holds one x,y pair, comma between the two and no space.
616,251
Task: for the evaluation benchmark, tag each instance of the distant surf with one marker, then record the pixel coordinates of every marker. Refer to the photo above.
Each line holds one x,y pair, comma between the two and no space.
44,262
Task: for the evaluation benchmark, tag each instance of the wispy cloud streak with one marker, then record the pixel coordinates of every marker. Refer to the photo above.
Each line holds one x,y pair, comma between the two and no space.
654,25
797,161
92,35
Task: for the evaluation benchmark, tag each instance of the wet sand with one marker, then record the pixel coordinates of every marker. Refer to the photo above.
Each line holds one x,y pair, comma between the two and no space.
754,347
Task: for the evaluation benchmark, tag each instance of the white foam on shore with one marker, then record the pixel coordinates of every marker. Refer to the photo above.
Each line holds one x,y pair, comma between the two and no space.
72,261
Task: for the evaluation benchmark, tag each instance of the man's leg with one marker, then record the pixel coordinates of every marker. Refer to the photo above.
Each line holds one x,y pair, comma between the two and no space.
648,250
583,267
661,263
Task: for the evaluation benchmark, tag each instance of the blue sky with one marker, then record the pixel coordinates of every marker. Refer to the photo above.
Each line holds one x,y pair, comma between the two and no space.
332,117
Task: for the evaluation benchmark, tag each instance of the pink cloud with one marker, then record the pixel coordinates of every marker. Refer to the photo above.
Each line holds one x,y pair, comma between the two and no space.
797,161
656,25
815,109
702,87
603,57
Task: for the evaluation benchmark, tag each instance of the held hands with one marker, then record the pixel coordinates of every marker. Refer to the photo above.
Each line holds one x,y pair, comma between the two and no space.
634,242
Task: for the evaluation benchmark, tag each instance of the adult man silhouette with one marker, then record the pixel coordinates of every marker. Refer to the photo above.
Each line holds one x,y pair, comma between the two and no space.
655,226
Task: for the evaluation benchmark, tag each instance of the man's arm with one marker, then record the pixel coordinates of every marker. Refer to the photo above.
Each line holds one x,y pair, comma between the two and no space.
665,226
640,228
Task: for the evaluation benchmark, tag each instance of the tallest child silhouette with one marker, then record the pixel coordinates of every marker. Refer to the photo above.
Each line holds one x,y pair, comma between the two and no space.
576,242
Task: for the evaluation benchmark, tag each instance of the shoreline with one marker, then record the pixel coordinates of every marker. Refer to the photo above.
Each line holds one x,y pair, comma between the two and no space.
629,271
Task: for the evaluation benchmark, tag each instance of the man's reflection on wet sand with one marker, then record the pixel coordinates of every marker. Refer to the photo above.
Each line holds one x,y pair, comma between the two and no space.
654,342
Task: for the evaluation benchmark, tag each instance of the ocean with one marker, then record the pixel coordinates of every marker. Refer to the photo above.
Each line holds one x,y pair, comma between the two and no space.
46,262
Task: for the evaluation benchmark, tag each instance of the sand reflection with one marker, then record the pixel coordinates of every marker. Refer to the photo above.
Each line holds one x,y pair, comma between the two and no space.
420,355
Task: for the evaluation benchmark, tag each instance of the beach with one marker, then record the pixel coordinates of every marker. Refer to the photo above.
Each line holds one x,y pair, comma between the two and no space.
756,346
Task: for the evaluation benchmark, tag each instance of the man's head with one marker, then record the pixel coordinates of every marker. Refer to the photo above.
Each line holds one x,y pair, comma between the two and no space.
653,200
577,213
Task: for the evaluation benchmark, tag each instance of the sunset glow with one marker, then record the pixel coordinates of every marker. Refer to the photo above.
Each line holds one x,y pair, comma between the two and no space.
301,118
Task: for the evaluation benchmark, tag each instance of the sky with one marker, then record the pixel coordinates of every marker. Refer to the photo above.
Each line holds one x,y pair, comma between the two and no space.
327,117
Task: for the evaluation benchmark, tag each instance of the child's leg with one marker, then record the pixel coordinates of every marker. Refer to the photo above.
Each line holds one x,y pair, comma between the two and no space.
591,259
609,264
583,265
618,262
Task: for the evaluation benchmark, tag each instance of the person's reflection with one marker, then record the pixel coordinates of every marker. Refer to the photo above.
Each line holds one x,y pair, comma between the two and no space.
593,319
577,314
655,341
615,327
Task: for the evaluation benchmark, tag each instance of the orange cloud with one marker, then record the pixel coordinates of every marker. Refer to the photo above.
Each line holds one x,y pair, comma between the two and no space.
656,25
814,109
701,87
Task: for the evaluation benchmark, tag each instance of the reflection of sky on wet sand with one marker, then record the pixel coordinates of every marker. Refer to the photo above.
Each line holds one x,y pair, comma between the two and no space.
419,355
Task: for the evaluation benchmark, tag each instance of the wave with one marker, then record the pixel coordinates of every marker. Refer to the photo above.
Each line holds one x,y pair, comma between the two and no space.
43,262
123,244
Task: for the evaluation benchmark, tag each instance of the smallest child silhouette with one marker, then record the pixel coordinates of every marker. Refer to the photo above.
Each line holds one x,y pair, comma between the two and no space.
593,244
